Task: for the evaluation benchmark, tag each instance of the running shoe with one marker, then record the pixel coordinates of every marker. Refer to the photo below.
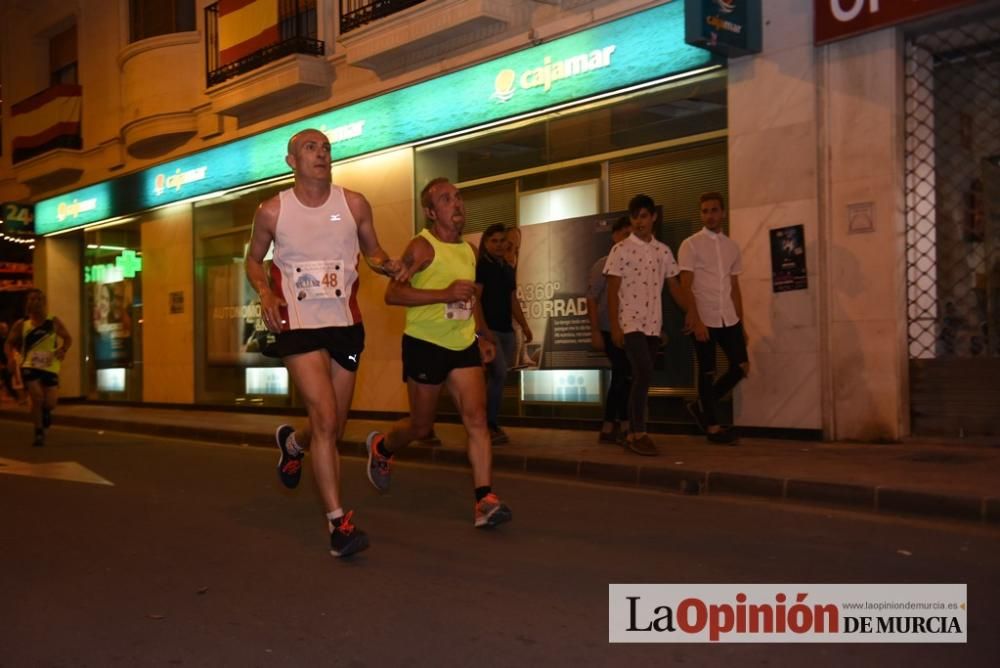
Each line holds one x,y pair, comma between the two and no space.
379,467
347,539
643,446
490,512
722,437
499,437
608,437
289,465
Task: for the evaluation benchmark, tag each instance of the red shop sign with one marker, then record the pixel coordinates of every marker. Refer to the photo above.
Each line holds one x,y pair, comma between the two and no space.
836,19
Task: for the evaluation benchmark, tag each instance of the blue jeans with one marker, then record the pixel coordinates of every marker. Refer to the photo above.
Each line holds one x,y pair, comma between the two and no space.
497,372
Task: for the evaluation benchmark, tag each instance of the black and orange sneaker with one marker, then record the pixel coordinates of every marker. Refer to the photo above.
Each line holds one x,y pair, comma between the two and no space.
491,512
379,466
289,465
345,538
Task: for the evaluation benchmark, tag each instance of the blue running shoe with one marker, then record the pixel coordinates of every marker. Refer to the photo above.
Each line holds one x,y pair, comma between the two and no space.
379,467
347,539
289,465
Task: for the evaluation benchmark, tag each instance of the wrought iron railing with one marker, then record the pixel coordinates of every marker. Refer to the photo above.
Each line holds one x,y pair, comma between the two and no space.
296,34
356,13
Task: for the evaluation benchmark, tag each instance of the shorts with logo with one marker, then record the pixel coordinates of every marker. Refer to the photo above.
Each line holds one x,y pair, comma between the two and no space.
46,378
344,344
430,364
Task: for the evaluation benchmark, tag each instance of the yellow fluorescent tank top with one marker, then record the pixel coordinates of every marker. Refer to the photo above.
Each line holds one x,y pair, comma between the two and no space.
450,326
39,346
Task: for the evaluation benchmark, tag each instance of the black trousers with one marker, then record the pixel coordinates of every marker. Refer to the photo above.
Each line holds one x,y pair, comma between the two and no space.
710,390
641,351
616,403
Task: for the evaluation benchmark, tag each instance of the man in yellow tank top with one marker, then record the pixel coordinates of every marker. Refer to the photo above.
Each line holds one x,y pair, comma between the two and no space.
42,343
445,343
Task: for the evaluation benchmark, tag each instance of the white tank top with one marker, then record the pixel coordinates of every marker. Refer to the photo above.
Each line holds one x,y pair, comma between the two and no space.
315,266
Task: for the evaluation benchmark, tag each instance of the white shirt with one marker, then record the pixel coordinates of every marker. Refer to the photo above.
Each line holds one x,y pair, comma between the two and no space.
714,259
642,266
315,267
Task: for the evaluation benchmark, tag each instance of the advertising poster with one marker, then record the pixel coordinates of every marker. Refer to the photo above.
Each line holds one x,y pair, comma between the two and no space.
235,331
788,259
111,323
553,263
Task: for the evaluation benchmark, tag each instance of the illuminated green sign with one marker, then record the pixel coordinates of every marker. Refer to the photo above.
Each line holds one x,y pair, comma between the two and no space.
126,265
633,50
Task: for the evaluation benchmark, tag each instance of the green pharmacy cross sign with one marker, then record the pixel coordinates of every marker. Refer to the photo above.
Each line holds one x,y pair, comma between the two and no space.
129,263
642,48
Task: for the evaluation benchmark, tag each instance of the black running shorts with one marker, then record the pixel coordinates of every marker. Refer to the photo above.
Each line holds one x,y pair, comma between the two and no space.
46,378
344,344
429,364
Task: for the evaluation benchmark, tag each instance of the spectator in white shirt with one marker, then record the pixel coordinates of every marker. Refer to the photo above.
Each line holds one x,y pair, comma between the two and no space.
637,268
710,266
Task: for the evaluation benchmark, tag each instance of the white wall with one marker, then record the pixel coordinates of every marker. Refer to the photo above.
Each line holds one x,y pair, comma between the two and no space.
813,130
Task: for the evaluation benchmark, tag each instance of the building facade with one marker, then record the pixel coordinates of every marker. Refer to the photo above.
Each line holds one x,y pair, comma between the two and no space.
146,133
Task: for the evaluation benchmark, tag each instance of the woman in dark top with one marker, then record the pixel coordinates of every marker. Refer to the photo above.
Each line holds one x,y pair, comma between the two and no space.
500,307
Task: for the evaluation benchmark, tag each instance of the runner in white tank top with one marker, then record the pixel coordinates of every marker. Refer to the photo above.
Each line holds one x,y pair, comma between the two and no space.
315,267
318,231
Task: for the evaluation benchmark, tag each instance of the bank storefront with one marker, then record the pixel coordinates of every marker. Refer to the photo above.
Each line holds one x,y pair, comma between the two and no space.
553,141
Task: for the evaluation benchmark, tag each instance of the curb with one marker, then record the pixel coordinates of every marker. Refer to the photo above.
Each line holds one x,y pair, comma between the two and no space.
876,499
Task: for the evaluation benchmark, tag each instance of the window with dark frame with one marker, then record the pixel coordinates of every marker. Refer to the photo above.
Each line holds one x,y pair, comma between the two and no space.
150,18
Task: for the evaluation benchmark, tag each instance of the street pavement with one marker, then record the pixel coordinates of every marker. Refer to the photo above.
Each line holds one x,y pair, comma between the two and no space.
927,478
185,553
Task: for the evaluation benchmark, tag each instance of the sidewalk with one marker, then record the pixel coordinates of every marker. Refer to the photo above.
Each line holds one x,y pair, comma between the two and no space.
940,480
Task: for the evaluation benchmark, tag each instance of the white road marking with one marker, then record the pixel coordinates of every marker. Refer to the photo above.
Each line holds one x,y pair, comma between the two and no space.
69,471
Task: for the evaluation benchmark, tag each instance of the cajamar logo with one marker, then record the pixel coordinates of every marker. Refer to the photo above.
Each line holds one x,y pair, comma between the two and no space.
508,81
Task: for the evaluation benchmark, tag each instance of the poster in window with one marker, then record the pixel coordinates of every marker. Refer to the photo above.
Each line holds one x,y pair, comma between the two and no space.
111,323
788,259
553,266
234,329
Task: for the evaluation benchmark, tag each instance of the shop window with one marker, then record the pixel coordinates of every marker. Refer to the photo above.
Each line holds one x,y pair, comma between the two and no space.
149,18
112,280
230,364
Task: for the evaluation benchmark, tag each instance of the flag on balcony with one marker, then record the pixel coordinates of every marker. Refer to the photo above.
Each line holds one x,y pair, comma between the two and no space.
246,26
46,121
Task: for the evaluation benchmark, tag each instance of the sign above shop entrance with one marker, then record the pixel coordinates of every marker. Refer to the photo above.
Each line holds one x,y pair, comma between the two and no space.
730,28
643,48
837,19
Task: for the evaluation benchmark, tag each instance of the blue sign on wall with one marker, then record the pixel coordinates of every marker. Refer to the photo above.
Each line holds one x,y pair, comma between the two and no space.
730,28
640,48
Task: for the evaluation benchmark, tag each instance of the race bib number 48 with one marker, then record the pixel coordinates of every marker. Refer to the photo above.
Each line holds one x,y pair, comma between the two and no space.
323,279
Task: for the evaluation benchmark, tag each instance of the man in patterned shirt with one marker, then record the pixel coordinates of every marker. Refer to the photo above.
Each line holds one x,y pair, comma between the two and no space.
636,269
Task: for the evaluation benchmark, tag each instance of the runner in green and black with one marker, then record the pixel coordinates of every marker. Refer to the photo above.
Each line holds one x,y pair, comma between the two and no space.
440,346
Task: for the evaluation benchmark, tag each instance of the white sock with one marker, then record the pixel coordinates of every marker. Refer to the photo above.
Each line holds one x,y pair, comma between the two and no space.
334,515
293,445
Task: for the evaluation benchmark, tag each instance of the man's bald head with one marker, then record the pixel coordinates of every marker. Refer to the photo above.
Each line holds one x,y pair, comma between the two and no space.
297,138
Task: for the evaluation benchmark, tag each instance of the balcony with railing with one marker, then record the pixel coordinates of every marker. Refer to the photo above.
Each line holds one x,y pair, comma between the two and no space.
356,13
263,57
391,36
238,42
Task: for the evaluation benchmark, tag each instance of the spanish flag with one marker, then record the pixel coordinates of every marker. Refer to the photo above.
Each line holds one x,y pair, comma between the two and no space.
246,26
46,121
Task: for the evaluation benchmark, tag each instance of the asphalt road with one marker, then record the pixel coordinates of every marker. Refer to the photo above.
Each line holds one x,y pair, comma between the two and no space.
196,556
